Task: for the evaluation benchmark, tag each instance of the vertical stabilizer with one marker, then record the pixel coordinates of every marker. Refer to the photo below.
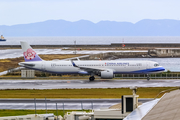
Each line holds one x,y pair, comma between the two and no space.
29,54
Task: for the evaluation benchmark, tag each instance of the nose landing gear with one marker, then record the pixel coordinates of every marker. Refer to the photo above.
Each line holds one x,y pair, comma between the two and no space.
148,78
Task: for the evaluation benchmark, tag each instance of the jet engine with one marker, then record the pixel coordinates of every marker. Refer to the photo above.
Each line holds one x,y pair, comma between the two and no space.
108,74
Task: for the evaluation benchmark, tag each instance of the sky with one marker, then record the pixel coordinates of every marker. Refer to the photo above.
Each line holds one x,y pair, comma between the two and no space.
30,11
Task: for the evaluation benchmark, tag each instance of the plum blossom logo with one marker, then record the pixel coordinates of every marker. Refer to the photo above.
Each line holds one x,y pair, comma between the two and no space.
29,54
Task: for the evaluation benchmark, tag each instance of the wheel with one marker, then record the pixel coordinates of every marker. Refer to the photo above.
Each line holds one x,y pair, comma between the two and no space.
148,78
91,78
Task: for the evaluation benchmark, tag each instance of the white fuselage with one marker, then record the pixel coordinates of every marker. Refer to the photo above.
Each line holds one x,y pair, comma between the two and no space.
118,67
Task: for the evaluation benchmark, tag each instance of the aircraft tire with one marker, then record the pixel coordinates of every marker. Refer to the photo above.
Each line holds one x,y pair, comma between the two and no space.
148,78
91,78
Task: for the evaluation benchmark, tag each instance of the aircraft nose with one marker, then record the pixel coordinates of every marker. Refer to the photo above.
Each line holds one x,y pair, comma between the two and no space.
162,69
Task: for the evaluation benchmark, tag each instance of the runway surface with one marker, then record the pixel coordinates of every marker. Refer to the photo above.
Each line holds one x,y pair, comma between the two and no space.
77,84
68,104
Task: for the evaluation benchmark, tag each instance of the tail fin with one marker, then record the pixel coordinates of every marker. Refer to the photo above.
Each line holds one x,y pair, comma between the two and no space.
29,54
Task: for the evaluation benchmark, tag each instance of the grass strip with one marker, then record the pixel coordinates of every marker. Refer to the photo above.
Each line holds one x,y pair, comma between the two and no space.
149,92
4,112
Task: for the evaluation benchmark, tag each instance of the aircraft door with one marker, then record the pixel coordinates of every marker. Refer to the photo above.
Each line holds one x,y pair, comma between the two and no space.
43,66
147,65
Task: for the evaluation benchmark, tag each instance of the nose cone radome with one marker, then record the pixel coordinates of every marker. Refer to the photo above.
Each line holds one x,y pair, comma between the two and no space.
162,69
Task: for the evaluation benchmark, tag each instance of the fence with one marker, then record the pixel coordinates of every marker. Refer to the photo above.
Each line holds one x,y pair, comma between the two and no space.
61,104
152,76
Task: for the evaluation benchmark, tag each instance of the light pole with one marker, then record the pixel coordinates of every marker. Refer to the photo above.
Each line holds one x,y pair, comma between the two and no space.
75,47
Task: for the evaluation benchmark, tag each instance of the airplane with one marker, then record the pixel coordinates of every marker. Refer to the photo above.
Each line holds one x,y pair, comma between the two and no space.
105,68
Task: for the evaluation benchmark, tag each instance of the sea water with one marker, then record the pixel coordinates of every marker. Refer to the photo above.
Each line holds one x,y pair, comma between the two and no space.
85,40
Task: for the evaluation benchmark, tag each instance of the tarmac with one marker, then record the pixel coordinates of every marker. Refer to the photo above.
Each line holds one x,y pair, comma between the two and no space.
75,104
78,84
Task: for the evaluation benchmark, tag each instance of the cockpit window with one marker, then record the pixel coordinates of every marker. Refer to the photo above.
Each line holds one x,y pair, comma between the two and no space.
156,65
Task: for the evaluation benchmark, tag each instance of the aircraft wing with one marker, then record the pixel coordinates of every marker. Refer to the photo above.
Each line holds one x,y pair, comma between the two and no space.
88,69
26,64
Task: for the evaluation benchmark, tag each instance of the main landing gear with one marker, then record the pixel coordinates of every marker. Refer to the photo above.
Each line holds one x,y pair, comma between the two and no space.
148,78
92,78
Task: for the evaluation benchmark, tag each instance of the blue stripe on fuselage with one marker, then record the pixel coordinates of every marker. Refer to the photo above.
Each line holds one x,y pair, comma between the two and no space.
158,69
145,71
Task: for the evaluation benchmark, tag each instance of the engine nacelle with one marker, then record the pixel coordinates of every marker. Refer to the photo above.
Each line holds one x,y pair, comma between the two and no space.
108,74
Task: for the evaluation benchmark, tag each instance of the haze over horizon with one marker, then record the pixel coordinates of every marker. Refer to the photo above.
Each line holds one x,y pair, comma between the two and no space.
15,12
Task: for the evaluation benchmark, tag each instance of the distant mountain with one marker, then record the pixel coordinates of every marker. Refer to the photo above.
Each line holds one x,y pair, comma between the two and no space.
146,27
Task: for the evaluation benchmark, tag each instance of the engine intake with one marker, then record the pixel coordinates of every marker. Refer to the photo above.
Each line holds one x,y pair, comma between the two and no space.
108,74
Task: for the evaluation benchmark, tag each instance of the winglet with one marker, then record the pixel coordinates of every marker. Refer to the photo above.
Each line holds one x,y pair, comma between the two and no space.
73,63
